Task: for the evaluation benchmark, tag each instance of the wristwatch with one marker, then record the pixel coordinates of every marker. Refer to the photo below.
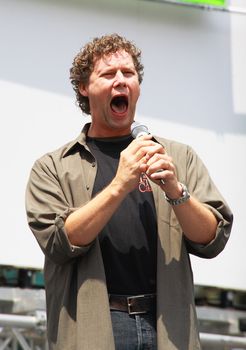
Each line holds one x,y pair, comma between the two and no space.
185,196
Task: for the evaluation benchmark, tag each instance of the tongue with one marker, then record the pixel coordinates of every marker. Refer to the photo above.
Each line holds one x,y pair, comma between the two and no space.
119,106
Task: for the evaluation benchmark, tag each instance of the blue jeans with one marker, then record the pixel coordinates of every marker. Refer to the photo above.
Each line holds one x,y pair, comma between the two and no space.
134,332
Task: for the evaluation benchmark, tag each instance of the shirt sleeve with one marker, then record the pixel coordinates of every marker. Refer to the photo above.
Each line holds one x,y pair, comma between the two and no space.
47,209
202,187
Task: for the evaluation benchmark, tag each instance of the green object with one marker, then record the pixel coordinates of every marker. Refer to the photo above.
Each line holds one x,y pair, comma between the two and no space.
221,3
38,279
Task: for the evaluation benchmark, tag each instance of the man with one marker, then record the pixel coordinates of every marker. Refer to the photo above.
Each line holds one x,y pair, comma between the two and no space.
116,221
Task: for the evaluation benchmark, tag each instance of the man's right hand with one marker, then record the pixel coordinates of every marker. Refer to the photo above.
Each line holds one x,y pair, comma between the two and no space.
133,162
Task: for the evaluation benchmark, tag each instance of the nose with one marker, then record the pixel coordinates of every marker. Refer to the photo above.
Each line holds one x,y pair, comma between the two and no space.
119,79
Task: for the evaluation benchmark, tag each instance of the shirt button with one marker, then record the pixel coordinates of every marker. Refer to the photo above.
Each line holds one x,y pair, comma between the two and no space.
87,187
93,164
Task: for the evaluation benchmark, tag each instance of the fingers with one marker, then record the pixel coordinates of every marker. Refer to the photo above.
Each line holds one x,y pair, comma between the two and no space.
139,152
160,161
148,155
144,155
160,167
145,147
133,162
141,146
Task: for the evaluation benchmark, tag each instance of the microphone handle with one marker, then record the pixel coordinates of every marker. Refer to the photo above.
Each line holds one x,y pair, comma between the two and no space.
139,130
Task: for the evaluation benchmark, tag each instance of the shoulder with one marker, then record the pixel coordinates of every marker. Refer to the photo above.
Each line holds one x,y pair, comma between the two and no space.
56,153
68,149
55,159
174,148
187,162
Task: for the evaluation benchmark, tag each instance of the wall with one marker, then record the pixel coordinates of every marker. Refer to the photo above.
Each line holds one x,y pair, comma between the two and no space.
193,91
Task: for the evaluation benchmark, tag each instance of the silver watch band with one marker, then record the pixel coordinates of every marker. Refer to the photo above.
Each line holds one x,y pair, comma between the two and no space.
185,196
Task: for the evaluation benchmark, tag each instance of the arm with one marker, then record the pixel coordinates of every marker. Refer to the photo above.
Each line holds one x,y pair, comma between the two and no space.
83,225
47,207
197,221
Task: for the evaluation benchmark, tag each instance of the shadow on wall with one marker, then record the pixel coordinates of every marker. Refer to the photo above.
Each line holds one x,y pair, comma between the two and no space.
186,53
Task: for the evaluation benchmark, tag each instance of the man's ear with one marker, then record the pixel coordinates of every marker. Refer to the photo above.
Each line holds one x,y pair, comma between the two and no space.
83,89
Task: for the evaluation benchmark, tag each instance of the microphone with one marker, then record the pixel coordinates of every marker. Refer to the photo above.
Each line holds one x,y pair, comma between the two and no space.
138,130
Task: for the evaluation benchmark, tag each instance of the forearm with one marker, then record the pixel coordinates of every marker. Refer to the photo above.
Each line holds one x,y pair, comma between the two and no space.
197,221
83,225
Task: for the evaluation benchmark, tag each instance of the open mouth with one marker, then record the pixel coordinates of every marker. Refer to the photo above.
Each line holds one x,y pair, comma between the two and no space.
119,104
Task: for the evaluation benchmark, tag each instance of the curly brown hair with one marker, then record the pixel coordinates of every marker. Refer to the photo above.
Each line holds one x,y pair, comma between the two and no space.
84,61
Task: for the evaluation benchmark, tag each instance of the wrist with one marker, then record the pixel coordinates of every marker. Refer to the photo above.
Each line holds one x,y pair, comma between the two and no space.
117,188
182,198
175,192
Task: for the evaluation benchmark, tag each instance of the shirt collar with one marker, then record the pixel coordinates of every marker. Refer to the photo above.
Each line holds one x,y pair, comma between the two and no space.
80,141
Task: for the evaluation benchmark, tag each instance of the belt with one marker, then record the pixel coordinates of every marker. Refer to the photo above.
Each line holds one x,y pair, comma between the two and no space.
138,304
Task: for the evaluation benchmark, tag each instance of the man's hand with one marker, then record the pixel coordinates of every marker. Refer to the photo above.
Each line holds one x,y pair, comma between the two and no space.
198,222
161,170
134,161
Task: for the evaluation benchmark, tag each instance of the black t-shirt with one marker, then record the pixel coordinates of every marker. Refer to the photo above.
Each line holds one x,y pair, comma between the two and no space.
128,240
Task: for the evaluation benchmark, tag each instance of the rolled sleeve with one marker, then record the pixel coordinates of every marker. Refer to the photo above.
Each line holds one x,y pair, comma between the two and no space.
202,187
47,207
214,247
66,249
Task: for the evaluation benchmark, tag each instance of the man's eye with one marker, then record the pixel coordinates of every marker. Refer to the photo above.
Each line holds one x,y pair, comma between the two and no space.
108,75
128,73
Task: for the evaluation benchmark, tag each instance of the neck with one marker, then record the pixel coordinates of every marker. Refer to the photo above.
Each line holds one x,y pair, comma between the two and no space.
106,132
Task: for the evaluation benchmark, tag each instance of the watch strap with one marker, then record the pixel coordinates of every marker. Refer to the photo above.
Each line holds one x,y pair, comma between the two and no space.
185,196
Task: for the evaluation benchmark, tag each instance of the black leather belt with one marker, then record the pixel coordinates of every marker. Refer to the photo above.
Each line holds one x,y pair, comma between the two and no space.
138,304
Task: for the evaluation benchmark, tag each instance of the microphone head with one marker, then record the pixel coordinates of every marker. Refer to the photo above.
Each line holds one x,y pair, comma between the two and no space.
138,130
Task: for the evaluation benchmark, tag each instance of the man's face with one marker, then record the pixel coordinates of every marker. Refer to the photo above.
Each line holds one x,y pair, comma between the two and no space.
113,90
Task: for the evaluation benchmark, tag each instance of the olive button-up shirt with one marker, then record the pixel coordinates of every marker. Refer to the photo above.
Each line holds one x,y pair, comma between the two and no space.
78,312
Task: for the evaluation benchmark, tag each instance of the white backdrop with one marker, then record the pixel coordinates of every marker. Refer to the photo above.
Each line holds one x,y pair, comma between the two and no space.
193,91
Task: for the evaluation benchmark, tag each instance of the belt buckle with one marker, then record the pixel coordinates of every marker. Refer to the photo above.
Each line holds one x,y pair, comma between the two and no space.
129,305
